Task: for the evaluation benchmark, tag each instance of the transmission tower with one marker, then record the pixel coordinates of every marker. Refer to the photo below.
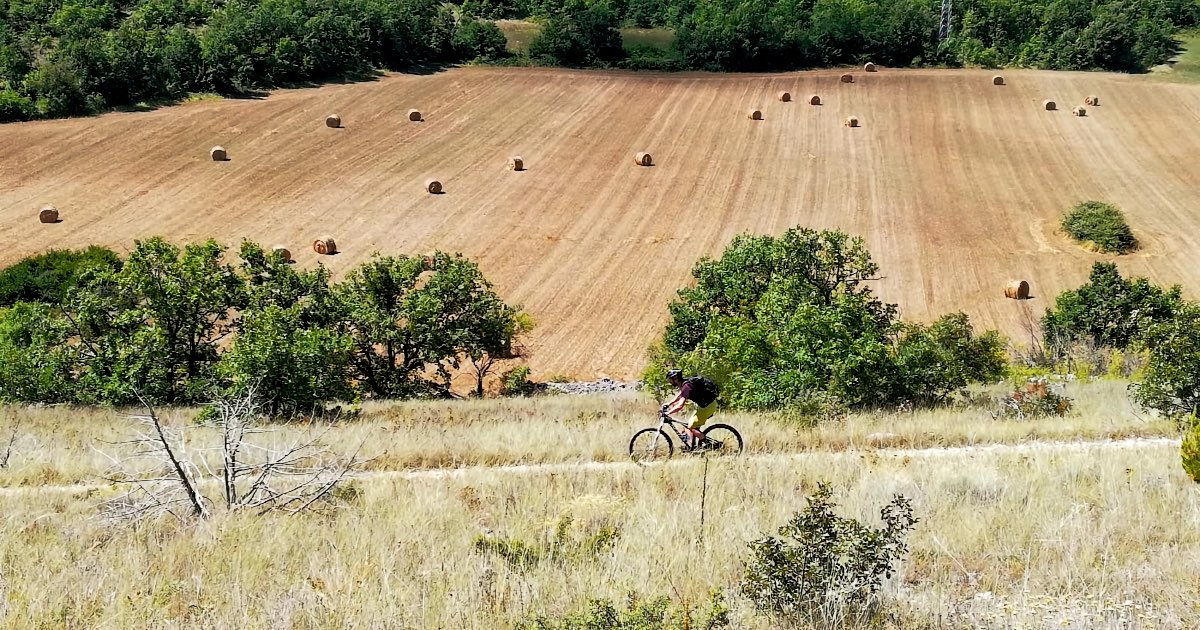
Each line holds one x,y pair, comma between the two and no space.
944,24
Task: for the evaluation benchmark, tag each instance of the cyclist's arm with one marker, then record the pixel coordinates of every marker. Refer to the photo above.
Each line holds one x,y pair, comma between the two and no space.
676,405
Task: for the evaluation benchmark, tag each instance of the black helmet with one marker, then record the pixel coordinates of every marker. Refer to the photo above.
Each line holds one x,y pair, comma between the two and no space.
674,373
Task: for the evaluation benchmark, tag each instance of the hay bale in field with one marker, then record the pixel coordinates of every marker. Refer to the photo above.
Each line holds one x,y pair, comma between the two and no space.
285,253
1050,105
847,78
643,159
433,186
814,100
870,67
325,246
218,154
333,121
49,214
755,114
852,121
1017,290
415,115
515,163
997,80
785,97
1092,101
1079,110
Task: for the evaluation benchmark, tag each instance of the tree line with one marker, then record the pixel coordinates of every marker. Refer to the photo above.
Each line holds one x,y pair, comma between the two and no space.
179,325
69,57
755,35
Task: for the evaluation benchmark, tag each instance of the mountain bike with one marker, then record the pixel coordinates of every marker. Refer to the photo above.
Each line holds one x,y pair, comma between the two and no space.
654,444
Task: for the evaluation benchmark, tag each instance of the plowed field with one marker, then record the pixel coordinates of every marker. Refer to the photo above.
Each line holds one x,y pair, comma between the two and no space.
956,184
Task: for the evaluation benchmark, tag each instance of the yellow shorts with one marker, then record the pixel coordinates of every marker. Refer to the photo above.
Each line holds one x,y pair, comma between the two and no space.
703,414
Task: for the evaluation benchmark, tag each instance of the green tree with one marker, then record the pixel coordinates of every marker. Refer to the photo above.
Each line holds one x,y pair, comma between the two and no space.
35,358
287,346
409,317
777,320
1171,384
1111,311
579,38
156,324
476,39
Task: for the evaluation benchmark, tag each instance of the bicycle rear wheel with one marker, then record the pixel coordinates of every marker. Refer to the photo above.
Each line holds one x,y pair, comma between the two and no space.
722,439
649,446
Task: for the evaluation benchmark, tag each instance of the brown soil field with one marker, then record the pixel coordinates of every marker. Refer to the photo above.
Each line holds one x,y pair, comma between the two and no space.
956,184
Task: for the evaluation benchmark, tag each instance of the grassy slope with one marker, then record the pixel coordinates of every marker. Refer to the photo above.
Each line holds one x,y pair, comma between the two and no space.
1184,67
520,34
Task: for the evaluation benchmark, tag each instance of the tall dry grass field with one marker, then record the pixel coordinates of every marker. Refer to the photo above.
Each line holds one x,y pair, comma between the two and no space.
1032,535
61,445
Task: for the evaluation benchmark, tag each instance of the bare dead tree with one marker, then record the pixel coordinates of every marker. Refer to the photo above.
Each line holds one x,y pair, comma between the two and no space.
255,473
161,479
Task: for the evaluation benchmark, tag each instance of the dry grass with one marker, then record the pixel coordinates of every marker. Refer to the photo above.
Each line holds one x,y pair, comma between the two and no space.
1036,539
62,445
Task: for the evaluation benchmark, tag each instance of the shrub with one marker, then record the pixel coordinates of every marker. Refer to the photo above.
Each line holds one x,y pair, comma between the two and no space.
1108,310
515,382
1101,225
588,37
1033,400
1171,384
1189,450
14,105
639,614
46,278
476,39
775,320
823,569
35,359
569,542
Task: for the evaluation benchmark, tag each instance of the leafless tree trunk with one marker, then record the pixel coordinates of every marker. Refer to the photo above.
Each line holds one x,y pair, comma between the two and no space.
12,439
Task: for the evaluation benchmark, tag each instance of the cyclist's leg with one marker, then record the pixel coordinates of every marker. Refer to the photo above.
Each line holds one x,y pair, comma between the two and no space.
702,415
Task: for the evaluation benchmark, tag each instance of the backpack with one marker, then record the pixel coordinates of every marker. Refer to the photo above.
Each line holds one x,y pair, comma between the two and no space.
703,391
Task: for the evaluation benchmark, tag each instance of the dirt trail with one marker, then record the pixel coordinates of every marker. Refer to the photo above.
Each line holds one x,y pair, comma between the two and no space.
956,184
534,469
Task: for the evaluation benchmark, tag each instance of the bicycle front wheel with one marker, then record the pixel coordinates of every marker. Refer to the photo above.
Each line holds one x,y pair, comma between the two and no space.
722,439
649,446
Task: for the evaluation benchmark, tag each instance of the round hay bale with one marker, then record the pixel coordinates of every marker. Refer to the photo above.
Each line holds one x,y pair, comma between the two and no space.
870,67
515,163
643,159
49,214
847,78
852,121
814,100
1017,290
1092,101
218,154
1079,110
325,246
415,115
285,253
1050,105
755,114
333,121
997,80
785,97
433,187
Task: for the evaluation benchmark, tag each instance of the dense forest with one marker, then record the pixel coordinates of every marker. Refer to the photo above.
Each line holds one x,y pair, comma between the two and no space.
66,57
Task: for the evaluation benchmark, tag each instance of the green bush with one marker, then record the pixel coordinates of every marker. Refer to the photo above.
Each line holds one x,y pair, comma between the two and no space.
584,38
639,614
1108,310
46,278
1171,384
515,382
476,39
1101,225
826,570
1189,450
776,320
569,542
35,356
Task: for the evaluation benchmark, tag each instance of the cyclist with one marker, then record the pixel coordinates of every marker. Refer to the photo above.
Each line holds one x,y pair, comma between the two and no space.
703,394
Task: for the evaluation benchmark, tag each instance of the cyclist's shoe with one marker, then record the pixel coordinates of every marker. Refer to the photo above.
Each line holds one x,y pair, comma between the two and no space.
686,439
